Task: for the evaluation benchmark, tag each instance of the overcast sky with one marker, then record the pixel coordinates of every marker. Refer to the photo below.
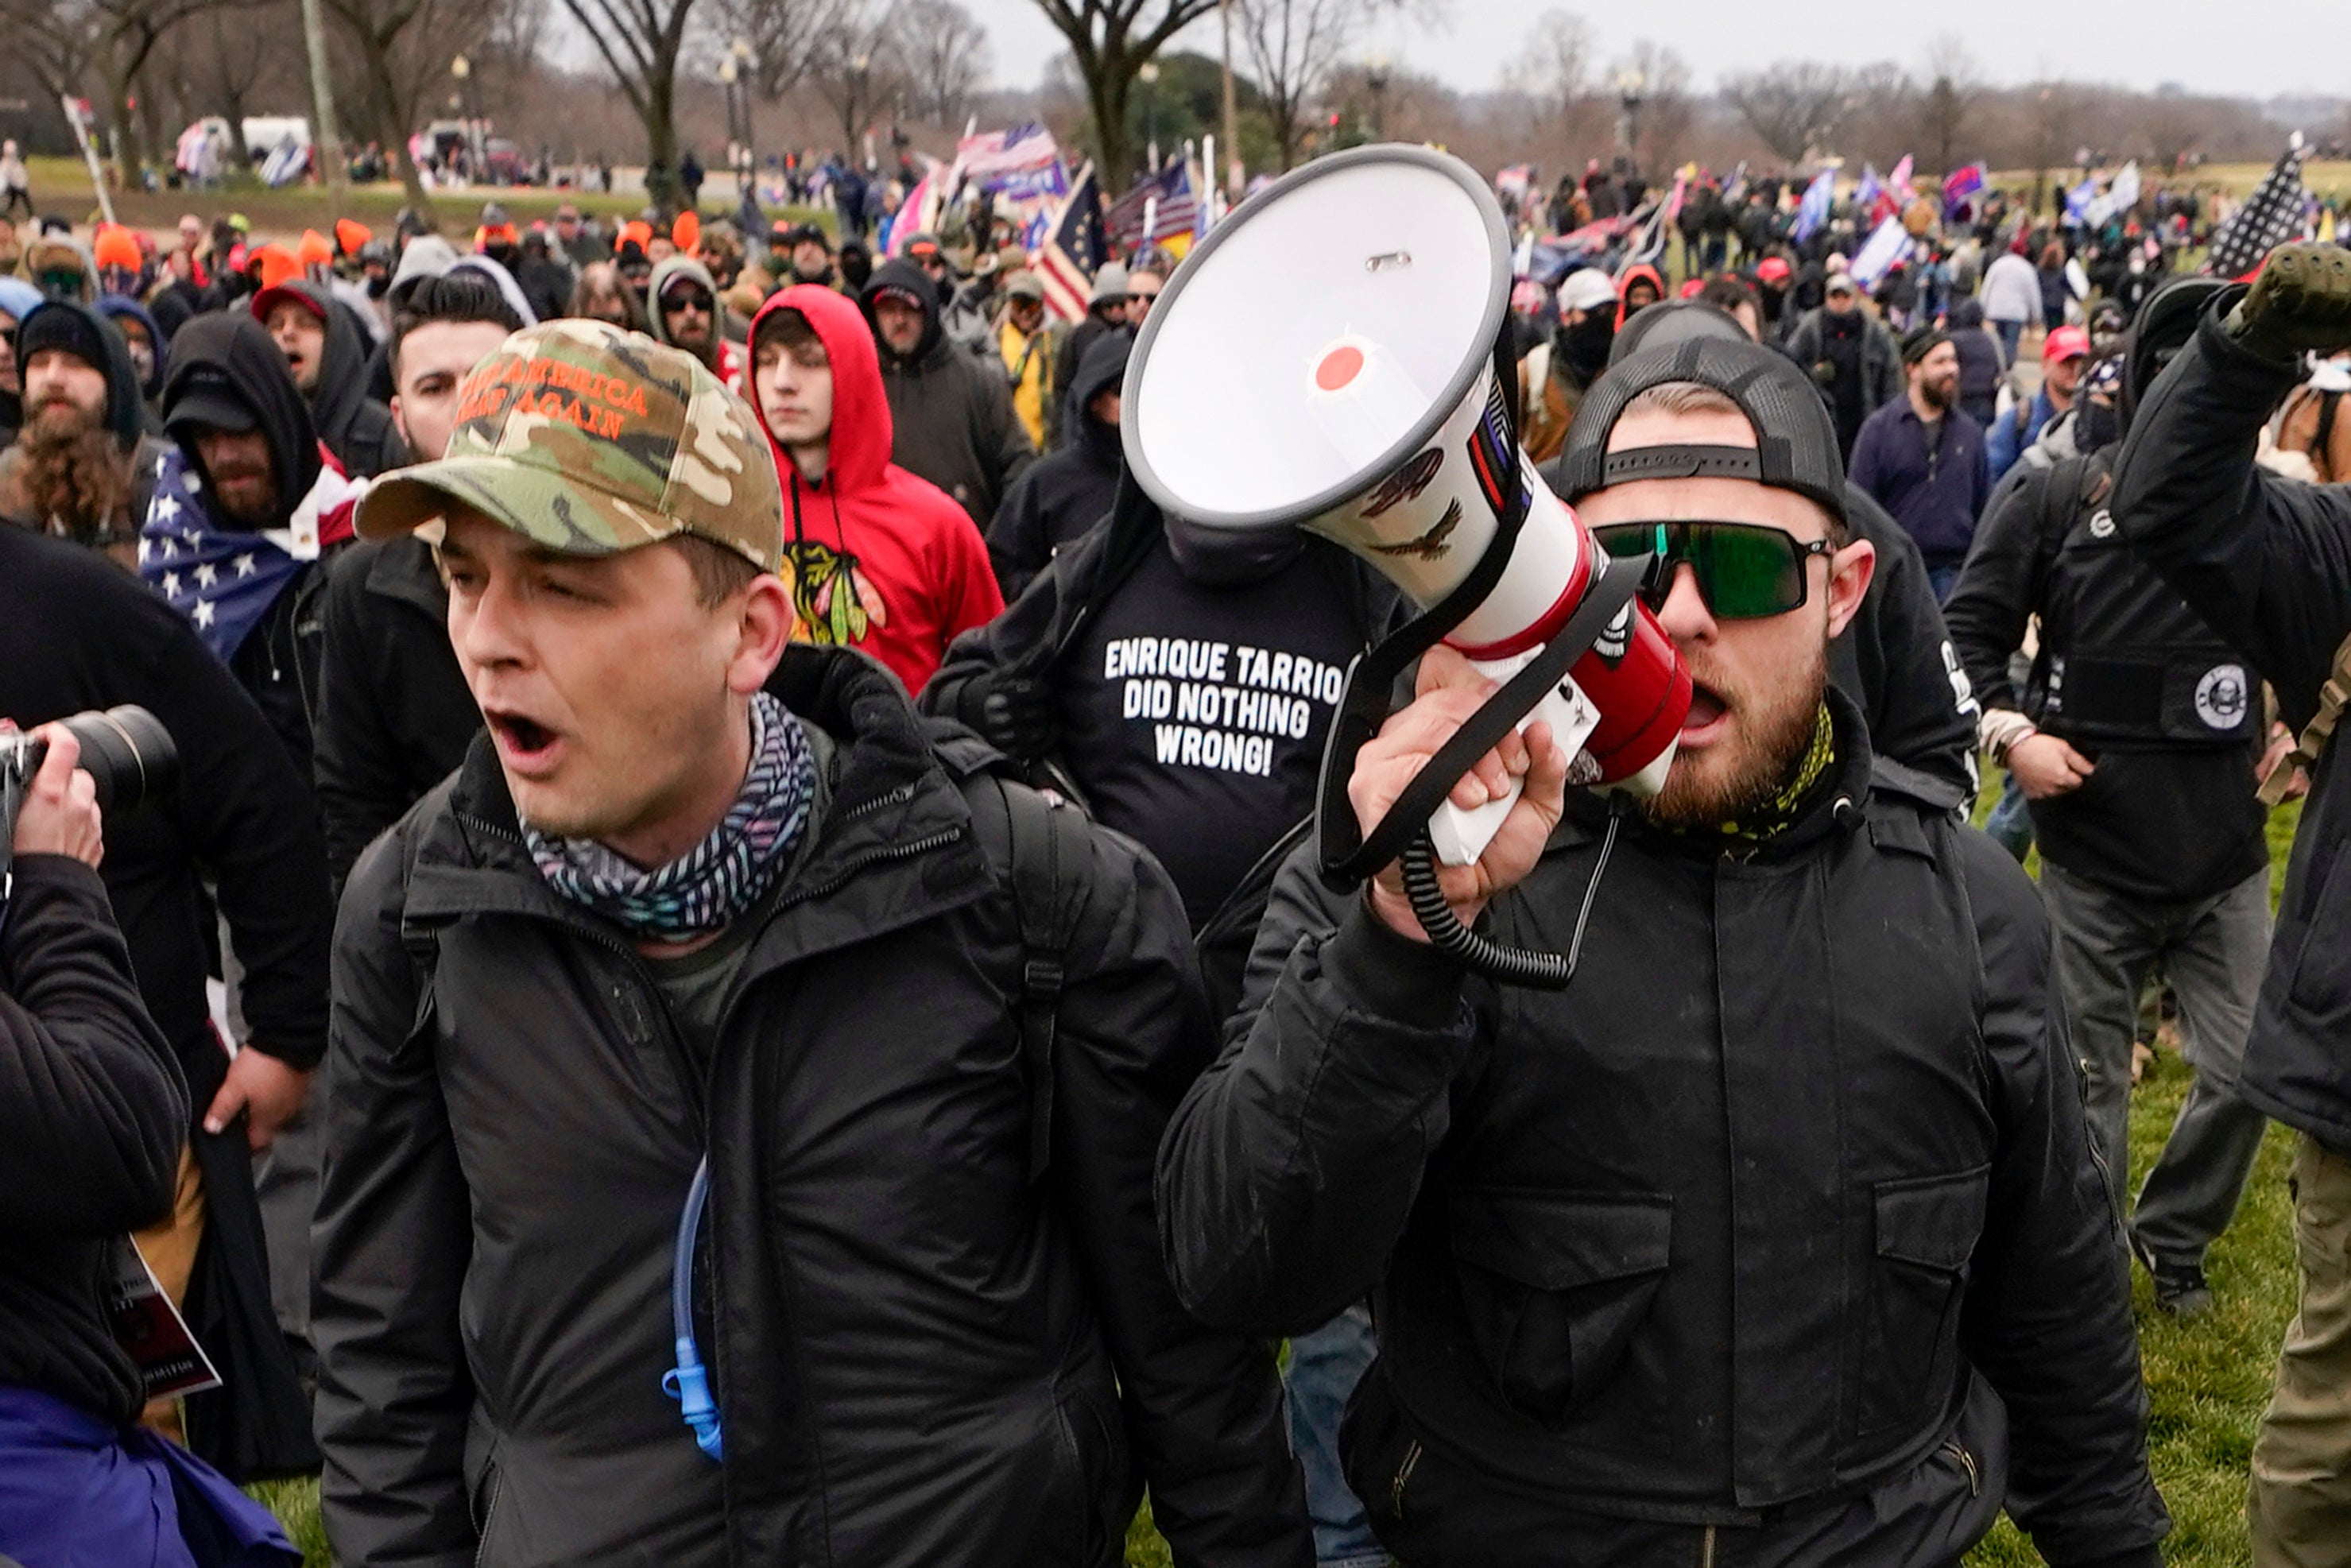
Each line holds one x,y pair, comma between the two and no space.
2206,47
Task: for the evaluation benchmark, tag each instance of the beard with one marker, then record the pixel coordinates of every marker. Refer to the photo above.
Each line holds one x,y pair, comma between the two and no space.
1771,729
1939,394
71,477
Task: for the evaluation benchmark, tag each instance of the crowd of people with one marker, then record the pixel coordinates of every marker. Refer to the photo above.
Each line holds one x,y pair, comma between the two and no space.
735,973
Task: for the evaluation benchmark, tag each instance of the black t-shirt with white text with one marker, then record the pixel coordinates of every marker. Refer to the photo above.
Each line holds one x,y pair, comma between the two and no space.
1193,717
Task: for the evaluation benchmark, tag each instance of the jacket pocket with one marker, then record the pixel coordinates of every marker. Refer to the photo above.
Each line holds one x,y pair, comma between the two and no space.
1553,1285
2321,962
1927,1228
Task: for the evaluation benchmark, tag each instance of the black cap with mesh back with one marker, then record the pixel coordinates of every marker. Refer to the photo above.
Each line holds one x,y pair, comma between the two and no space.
1672,321
1795,445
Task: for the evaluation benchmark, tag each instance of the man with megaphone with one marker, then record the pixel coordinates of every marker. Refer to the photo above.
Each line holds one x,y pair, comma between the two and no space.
1774,1239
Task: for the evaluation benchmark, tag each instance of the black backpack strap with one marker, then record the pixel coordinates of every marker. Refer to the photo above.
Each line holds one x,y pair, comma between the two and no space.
1047,849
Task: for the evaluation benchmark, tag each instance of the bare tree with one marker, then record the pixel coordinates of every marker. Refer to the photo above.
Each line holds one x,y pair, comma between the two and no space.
1110,40
786,36
640,42
2053,122
1557,69
857,68
68,40
220,62
1795,106
1292,46
946,54
1953,86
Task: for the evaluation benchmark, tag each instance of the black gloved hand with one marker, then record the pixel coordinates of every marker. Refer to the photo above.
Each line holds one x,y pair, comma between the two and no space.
1015,714
2300,302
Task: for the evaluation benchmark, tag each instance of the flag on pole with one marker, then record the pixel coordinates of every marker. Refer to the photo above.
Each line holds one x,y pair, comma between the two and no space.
1074,249
2272,215
1172,222
2078,200
1884,248
1014,162
1647,244
1865,194
1814,210
1959,191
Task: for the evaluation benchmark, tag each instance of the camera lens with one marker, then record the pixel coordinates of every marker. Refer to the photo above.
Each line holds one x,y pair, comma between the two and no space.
129,755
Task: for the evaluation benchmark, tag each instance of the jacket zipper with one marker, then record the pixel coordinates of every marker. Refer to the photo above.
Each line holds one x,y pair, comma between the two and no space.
1705,1548
1968,1463
489,1517
1402,1476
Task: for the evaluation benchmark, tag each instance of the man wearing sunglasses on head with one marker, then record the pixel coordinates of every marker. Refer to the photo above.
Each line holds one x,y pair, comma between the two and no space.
1774,1238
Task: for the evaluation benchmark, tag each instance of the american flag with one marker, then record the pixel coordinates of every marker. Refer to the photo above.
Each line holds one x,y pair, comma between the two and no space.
1006,158
2272,215
1074,249
1173,203
223,581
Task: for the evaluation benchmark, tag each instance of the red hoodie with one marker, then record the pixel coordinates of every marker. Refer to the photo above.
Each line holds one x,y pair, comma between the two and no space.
875,558
1642,272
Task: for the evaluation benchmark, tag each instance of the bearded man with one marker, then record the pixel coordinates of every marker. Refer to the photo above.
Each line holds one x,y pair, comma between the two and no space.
1774,1238
80,468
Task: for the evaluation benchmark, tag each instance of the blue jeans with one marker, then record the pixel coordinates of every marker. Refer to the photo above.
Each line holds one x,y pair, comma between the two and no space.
1324,1367
2011,333
2010,822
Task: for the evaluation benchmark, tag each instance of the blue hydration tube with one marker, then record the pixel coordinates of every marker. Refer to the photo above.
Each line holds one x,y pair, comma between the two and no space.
688,1382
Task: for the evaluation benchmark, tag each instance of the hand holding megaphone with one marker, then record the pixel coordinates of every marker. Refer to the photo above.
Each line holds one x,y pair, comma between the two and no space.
1527,769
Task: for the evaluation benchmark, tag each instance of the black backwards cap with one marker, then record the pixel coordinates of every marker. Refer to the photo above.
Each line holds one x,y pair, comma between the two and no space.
1795,445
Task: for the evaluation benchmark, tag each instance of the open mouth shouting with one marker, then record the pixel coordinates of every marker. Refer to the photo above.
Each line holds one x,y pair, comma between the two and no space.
527,747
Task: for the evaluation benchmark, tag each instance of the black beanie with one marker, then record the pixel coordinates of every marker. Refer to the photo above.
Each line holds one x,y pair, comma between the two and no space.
74,329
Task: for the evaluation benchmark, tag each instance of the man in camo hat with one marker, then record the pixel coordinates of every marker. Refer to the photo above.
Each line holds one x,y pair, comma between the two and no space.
699,903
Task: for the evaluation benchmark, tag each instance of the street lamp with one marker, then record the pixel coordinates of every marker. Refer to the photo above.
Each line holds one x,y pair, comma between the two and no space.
1376,77
739,56
462,69
1148,75
727,74
1630,85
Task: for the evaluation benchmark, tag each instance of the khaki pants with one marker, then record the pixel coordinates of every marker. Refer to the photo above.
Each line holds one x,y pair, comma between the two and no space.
2300,1503
170,1249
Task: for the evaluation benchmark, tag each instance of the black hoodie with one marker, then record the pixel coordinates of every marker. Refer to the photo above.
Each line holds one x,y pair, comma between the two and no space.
356,428
950,411
90,336
226,355
1069,490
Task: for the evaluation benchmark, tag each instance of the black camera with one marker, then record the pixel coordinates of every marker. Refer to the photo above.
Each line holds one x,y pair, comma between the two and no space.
126,751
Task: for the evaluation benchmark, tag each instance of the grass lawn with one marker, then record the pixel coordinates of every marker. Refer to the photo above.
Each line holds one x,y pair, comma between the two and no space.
2207,1381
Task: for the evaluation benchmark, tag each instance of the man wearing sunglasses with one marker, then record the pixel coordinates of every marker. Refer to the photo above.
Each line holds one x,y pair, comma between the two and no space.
1774,1238
687,314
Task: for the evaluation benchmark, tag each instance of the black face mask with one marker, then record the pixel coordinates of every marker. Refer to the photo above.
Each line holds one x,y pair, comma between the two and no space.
1226,558
2096,425
1586,343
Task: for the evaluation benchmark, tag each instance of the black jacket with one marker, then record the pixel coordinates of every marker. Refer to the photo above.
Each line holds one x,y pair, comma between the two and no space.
1069,490
394,715
1724,1239
2127,673
2267,562
356,428
920,1358
76,633
950,410
92,1115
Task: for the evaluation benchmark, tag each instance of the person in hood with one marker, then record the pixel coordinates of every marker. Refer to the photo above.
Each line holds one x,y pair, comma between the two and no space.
1067,492
1981,366
683,300
1553,376
246,505
327,356
18,300
82,467
1025,342
1640,287
877,558
951,411
150,352
1106,311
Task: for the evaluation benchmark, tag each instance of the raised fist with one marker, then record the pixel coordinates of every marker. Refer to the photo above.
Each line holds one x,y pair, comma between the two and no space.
2300,302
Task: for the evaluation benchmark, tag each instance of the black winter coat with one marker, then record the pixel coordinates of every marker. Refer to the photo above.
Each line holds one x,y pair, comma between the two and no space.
394,716
950,410
76,633
92,1116
922,1357
1727,1248
2267,562
357,429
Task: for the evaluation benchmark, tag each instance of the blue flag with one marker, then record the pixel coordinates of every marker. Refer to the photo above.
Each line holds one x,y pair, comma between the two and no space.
1814,210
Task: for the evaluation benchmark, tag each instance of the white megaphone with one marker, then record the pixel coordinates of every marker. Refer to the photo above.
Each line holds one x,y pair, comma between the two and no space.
1327,358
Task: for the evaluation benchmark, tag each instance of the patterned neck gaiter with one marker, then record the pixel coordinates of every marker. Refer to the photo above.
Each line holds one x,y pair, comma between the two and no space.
1775,816
715,883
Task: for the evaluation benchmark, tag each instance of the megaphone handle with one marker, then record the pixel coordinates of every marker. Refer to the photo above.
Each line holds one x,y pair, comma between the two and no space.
1461,836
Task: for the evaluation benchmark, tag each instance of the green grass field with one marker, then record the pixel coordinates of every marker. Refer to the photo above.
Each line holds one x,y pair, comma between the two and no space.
2207,1381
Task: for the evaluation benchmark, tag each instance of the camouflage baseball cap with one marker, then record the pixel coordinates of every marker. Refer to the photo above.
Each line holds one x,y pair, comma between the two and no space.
590,440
